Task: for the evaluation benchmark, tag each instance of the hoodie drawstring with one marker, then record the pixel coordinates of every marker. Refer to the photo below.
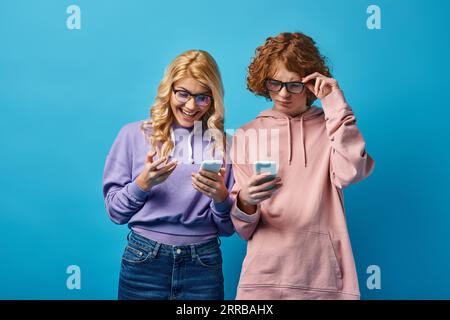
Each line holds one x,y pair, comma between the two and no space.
289,140
273,116
302,139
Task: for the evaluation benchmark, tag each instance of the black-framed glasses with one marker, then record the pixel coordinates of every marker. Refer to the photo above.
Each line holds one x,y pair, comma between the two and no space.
202,100
276,86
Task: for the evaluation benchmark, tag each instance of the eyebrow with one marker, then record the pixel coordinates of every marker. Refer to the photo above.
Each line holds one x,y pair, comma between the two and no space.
203,93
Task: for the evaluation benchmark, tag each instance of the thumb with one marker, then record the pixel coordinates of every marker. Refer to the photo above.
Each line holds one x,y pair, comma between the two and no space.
222,171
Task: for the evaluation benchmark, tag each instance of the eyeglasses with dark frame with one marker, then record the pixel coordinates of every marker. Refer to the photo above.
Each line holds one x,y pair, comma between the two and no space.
183,96
276,86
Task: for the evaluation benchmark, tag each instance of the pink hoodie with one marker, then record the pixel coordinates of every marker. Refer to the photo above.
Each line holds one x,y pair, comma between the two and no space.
298,243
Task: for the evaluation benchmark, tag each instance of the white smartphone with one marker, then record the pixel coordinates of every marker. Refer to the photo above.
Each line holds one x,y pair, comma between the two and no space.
211,165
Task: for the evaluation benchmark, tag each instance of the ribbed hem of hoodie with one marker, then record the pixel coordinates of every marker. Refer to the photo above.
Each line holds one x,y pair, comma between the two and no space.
274,292
136,192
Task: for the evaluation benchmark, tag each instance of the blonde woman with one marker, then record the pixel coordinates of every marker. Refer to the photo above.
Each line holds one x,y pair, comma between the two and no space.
153,182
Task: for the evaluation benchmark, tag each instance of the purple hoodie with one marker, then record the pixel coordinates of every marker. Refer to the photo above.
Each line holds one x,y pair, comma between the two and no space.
172,212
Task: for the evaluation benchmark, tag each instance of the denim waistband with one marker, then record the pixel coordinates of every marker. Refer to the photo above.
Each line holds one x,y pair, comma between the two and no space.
156,247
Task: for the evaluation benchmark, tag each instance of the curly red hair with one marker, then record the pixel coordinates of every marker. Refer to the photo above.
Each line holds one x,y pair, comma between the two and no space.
296,51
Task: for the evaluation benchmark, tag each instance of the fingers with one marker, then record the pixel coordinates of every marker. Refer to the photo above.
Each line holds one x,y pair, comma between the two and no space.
155,164
312,76
211,175
205,181
262,195
258,197
163,177
325,88
263,190
202,188
265,198
316,86
322,86
259,178
266,186
150,156
167,168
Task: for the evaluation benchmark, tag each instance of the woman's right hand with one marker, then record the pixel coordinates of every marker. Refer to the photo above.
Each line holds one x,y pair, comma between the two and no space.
257,190
152,175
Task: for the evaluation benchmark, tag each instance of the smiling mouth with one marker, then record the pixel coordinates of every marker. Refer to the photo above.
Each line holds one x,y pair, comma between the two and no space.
188,114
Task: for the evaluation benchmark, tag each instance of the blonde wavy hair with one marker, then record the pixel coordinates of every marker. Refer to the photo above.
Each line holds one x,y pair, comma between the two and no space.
201,66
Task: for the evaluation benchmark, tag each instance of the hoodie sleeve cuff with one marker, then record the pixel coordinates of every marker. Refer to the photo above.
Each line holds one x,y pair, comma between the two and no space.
136,192
222,207
241,215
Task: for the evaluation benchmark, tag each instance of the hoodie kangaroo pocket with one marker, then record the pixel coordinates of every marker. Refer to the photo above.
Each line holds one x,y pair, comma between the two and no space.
262,269
313,264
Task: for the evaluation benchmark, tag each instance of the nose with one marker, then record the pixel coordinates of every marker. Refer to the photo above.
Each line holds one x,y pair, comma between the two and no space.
284,93
191,104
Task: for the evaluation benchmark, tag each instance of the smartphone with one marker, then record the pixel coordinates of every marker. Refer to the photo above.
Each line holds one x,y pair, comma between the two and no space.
211,165
266,166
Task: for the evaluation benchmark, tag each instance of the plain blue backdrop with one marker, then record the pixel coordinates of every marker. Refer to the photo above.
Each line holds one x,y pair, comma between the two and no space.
64,94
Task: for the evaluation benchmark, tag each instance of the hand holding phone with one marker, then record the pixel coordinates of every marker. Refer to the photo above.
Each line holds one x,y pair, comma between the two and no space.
260,186
210,180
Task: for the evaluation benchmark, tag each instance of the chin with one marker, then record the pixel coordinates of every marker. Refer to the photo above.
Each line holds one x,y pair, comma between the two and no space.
185,123
284,108
291,107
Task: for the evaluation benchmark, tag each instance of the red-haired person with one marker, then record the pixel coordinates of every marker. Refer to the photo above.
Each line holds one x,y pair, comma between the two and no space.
294,220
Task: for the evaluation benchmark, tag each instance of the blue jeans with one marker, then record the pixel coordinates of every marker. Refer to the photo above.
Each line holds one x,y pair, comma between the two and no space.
156,271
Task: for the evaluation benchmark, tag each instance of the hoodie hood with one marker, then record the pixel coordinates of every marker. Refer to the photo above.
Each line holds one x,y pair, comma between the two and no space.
311,113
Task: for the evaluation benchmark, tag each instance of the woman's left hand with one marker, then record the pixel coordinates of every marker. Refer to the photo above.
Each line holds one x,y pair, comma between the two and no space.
211,184
322,86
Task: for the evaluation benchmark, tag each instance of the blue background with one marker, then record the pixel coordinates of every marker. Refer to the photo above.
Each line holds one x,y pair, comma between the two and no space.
66,93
